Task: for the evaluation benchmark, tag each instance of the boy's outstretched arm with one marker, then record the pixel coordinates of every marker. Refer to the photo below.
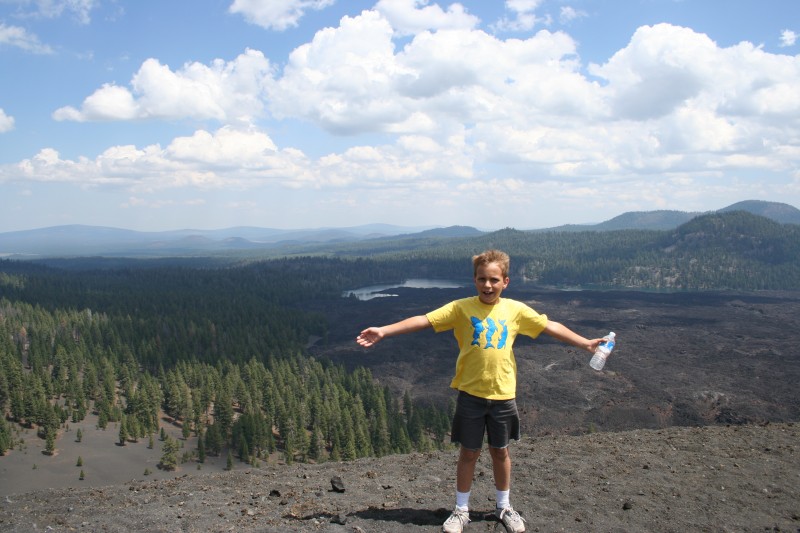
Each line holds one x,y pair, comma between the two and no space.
373,335
564,334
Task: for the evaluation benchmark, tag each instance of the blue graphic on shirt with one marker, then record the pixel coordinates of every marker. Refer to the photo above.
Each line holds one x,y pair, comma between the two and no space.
503,336
491,328
490,332
477,329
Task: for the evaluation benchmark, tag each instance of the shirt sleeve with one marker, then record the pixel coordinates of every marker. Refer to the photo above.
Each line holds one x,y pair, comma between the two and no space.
531,323
443,318
446,317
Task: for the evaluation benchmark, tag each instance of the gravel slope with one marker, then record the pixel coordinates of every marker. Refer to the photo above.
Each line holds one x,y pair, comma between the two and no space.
720,478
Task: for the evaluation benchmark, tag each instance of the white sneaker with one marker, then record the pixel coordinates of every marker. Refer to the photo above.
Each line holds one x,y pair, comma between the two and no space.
456,522
511,519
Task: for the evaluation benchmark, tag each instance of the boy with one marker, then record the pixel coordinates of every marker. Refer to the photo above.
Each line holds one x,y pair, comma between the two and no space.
486,376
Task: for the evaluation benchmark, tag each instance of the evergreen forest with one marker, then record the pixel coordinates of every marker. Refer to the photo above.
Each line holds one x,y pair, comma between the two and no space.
220,351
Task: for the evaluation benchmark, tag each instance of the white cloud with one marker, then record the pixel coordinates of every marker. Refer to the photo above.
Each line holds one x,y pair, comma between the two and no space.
350,79
276,14
412,163
569,13
662,67
342,80
666,69
224,91
227,147
204,160
788,38
242,159
110,102
20,38
409,17
457,108
673,101
6,121
446,78
79,9
523,16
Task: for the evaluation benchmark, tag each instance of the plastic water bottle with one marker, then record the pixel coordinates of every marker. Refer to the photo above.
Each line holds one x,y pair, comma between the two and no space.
603,351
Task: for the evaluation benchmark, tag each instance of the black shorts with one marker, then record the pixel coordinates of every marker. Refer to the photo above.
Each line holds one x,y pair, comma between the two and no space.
476,416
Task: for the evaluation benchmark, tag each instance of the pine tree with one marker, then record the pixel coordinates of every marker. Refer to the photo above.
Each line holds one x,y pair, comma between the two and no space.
50,441
133,428
379,429
123,431
102,416
223,412
244,451
363,441
348,437
5,436
408,406
315,447
201,449
213,440
169,457
415,427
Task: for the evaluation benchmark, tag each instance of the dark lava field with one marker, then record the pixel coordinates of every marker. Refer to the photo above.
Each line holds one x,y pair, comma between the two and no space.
682,359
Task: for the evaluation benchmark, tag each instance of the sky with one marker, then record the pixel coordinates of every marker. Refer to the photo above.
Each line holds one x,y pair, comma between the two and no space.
209,114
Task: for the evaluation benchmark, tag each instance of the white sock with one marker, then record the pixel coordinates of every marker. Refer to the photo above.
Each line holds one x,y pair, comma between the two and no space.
503,499
462,500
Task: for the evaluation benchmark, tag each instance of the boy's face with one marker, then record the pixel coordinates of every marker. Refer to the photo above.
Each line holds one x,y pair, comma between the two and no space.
490,282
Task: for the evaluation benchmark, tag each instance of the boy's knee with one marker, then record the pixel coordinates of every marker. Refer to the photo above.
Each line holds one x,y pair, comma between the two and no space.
468,455
499,454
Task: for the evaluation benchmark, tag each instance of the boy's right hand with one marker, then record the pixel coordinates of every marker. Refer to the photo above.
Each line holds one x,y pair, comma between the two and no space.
369,336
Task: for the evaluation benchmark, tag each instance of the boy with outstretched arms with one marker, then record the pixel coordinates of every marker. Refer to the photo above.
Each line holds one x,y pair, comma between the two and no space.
485,327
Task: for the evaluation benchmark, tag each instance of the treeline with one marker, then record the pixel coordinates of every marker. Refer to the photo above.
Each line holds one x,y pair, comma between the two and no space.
220,351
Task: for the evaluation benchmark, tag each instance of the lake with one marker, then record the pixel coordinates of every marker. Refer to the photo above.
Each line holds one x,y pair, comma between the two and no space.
376,291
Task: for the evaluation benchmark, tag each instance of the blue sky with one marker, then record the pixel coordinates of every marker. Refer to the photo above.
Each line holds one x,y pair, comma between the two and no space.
155,115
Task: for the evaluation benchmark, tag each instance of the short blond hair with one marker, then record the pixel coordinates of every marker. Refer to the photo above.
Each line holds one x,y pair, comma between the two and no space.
491,256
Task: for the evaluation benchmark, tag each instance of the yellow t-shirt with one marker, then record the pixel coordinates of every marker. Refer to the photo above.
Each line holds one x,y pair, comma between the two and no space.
485,333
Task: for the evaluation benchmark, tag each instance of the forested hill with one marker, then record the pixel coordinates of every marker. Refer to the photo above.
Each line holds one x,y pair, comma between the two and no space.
731,250
723,250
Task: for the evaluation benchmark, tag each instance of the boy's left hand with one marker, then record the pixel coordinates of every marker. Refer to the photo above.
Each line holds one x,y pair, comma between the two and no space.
594,343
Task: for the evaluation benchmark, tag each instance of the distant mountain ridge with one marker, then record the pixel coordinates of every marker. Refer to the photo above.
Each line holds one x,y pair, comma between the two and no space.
779,212
82,240
79,240
670,219
654,220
